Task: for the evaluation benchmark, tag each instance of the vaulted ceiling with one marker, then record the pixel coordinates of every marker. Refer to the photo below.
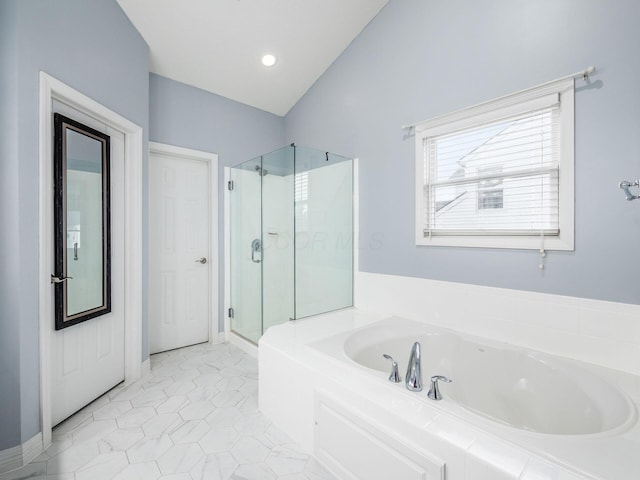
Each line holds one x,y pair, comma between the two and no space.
217,45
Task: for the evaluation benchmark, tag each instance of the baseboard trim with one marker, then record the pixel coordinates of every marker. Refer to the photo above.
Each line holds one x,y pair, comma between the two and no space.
217,338
145,368
243,344
21,455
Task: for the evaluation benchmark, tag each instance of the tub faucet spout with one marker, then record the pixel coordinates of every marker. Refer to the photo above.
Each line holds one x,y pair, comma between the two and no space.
413,379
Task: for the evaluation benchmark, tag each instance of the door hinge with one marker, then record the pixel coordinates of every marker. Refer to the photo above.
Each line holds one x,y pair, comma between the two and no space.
230,312
230,185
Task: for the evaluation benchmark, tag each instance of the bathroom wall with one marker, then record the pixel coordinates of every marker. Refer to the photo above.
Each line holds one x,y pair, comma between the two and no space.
9,241
422,58
189,117
92,47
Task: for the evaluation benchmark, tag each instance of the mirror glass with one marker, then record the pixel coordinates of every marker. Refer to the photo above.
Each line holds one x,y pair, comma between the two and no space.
81,168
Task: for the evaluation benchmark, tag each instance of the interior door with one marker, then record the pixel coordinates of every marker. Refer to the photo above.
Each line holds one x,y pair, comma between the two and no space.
87,359
179,257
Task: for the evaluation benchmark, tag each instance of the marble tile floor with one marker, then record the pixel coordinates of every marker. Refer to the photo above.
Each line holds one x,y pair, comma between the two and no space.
194,417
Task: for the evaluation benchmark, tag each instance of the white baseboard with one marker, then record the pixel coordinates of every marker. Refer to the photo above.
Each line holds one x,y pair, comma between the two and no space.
217,338
594,331
145,368
244,345
21,455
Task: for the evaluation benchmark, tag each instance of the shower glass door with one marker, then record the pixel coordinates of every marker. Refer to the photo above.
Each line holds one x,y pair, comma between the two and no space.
246,249
291,219
277,233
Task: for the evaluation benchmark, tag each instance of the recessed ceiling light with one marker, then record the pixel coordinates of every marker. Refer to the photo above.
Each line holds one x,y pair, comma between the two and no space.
268,60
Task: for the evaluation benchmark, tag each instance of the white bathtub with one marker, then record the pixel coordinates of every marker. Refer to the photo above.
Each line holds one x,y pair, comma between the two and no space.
523,389
510,413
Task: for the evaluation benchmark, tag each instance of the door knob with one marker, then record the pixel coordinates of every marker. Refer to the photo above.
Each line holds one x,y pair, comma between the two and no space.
202,260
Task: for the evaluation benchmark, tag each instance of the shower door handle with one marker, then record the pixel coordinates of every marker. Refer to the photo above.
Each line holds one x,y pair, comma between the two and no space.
256,247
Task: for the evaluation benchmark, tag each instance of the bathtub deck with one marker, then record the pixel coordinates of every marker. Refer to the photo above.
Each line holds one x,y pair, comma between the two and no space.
298,365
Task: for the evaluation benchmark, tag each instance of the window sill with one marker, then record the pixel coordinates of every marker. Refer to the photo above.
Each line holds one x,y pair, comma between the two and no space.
522,243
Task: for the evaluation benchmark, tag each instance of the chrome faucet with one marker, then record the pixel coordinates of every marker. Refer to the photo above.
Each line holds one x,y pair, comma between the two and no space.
394,376
413,379
434,391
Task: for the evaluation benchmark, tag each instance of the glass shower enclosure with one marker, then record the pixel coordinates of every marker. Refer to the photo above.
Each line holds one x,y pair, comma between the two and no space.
291,234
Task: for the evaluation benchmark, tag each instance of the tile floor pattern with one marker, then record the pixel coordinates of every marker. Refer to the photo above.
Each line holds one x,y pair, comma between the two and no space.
194,417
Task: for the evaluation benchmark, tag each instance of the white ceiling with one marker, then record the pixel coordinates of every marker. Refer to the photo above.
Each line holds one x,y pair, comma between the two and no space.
217,45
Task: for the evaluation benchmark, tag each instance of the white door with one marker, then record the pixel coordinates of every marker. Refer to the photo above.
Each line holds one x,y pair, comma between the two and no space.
179,257
87,359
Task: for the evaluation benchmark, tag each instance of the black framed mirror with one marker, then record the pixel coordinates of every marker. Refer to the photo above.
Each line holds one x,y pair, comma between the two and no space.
82,234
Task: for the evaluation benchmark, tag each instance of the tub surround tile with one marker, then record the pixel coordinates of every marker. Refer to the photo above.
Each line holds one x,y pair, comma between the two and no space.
538,470
487,459
530,319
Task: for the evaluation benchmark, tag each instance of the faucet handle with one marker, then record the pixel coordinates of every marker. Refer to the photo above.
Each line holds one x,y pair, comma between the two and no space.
394,376
434,390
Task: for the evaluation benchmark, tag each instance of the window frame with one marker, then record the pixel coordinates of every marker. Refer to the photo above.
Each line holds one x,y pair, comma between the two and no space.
561,92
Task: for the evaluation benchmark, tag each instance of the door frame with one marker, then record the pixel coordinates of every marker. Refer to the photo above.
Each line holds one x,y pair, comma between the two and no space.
215,336
52,89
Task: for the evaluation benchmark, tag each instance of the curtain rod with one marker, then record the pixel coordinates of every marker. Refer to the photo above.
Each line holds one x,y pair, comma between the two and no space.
582,73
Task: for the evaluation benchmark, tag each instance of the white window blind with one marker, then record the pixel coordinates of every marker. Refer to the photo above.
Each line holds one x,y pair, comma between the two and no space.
301,197
499,174
497,178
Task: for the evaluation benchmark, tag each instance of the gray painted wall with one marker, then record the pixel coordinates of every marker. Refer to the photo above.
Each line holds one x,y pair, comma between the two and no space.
9,244
92,47
422,58
189,117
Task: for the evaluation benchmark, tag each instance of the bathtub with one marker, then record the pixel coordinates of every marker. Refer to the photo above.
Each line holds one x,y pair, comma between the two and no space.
517,387
509,414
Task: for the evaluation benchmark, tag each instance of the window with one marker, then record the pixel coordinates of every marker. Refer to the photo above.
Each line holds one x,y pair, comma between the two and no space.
301,201
490,190
499,174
